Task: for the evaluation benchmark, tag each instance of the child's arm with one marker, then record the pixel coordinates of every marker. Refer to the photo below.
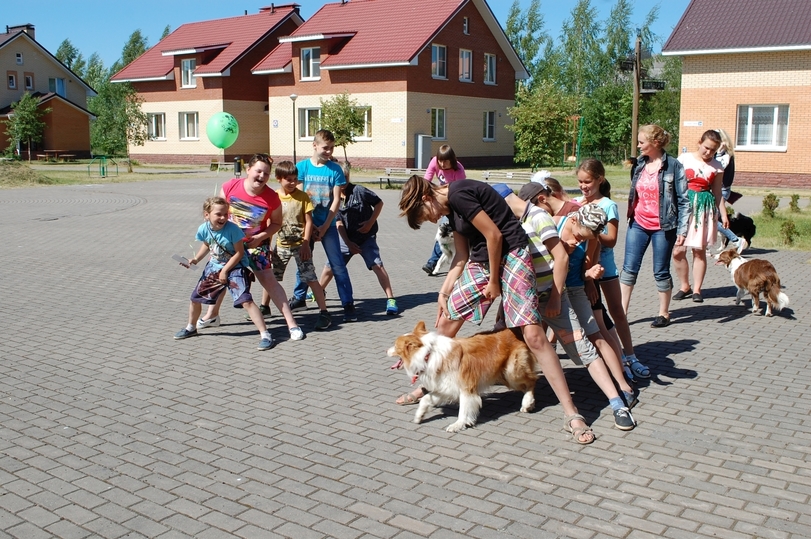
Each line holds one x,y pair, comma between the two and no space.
201,253
454,272
559,273
351,245
493,237
609,237
333,210
366,226
593,270
717,184
304,251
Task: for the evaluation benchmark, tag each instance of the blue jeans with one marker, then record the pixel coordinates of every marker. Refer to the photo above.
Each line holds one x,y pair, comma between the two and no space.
435,254
332,247
637,240
727,233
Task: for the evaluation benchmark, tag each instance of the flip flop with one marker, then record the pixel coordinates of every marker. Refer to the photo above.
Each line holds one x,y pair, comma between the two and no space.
407,399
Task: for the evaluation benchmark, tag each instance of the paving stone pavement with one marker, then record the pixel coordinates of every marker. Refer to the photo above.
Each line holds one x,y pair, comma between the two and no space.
110,428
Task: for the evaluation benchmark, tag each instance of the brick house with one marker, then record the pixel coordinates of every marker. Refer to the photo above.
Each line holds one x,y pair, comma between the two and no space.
201,69
747,69
29,67
443,70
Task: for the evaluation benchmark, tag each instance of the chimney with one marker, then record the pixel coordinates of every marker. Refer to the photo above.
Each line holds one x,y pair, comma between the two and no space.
27,28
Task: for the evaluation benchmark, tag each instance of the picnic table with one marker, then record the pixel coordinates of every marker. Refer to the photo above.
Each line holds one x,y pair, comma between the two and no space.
54,153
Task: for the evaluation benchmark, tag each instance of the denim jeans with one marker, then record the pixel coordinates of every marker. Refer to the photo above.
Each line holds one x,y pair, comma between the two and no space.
637,240
727,233
435,254
332,247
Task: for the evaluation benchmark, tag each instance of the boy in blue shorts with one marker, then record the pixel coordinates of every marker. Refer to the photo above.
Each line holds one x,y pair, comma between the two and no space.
227,268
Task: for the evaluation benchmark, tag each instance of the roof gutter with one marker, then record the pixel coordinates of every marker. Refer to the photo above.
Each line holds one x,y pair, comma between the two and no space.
776,48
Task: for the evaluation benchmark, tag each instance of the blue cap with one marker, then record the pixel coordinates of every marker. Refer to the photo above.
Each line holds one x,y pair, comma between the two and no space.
503,189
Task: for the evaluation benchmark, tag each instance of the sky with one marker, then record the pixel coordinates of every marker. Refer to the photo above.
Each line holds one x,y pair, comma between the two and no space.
102,26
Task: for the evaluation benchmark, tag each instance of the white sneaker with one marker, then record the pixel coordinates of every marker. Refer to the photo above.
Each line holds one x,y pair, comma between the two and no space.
296,334
742,245
210,323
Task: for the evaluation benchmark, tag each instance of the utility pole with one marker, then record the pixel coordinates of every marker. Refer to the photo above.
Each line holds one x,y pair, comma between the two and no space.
635,113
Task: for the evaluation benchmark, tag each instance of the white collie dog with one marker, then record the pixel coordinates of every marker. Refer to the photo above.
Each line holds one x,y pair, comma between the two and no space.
444,237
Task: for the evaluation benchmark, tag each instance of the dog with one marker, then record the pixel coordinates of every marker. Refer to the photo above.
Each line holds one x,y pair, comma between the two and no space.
444,237
743,227
460,369
754,276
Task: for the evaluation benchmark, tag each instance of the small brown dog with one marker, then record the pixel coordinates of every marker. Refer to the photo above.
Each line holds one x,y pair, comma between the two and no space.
460,369
754,276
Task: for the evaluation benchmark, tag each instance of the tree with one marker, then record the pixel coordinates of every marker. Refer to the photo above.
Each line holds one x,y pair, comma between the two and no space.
580,51
542,124
95,74
166,31
120,122
663,108
24,123
67,53
344,117
135,46
528,37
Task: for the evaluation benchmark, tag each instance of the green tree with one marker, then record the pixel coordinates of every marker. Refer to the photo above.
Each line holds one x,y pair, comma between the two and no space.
526,33
95,74
541,123
663,108
120,122
607,121
344,117
67,53
25,123
166,31
135,46
581,55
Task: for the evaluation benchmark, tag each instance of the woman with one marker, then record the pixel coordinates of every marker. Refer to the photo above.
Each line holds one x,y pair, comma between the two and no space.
487,235
658,209
704,179
445,168
726,156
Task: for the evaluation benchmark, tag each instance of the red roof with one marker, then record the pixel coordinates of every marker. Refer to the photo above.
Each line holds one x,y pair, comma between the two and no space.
741,25
234,36
382,32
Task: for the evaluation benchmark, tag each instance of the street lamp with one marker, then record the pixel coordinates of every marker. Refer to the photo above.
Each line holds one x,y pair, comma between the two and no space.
293,98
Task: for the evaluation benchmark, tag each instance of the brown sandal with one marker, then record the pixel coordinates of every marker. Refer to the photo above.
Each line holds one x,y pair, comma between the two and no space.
577,432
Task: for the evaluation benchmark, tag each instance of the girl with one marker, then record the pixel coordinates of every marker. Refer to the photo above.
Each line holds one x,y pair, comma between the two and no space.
446,169
596,189
705,176
726,156
658,209
487,235
556,200
227,268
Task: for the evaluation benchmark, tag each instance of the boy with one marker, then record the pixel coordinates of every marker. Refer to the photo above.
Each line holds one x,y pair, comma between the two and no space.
322,180
293,239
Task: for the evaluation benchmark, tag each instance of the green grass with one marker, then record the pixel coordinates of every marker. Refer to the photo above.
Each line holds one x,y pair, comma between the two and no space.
14,174
769,235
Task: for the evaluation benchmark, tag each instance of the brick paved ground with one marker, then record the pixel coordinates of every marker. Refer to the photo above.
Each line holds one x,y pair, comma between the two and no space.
110,428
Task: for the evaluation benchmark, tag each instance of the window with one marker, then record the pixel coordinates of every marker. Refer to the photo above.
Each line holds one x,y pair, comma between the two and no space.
366,132
29,81
309,121
19,58
311,63
489,124
465,65
465,25
156,126
12,80
188,126
57,86
489,68
439,61
187,78
762,127
438,123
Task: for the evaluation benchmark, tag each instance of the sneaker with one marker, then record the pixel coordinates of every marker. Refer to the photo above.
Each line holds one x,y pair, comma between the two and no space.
630,399
349,313
623,419
428,269
210,323
297,304
296,334
324,320
697,298
185,334
742,245
681,294
660,322
265,344
310,297
391,307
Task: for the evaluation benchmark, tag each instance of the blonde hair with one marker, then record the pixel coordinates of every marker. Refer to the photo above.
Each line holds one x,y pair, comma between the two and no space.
726,143
655,135
210,202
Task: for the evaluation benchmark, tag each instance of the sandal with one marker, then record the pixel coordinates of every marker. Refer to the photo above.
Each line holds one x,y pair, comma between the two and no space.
577,432
637,368
407,398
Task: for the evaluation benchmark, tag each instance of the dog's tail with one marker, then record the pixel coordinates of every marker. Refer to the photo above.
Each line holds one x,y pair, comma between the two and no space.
781,302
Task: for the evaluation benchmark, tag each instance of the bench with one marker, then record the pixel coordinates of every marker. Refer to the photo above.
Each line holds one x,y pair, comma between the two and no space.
67,157
502,176
399,175
42,157
218,166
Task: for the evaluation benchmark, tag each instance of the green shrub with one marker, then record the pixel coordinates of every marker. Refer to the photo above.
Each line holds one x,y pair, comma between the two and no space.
794,205
788,230
770,203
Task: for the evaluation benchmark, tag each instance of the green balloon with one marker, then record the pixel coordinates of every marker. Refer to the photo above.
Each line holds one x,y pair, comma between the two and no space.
222,130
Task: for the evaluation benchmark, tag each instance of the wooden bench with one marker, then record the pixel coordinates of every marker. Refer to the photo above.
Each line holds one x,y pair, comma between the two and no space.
42,157
504,176
396,175
218,166
67,157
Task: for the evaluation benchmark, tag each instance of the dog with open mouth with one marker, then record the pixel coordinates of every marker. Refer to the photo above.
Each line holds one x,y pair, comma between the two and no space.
754,276
460,369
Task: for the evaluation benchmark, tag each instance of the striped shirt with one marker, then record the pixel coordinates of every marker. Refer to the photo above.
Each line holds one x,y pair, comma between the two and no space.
540,227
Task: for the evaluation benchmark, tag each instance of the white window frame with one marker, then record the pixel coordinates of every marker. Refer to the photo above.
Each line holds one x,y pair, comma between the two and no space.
11,80
438,124
156,125
489,68
465,65
744,135
183,120
465,26
19,58
54,84
310,65
366,133
439,66
489,126
29,85
187,78
306,117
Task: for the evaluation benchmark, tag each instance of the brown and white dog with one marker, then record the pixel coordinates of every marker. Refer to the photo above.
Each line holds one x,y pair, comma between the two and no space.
460,369
754,276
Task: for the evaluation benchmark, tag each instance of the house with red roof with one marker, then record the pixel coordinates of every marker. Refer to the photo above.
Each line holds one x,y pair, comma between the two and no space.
201,69
747,69
425,73
31,68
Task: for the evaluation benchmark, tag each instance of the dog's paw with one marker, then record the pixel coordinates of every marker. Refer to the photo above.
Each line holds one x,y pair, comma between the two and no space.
527,409
456,427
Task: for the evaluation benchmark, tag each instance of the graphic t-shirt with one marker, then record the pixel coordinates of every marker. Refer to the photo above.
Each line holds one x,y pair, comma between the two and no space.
646,209
221,243
248,212
466,199
357,207
319,182
295,207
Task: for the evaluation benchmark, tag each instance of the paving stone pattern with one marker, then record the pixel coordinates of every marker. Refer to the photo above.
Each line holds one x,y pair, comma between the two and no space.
110,428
